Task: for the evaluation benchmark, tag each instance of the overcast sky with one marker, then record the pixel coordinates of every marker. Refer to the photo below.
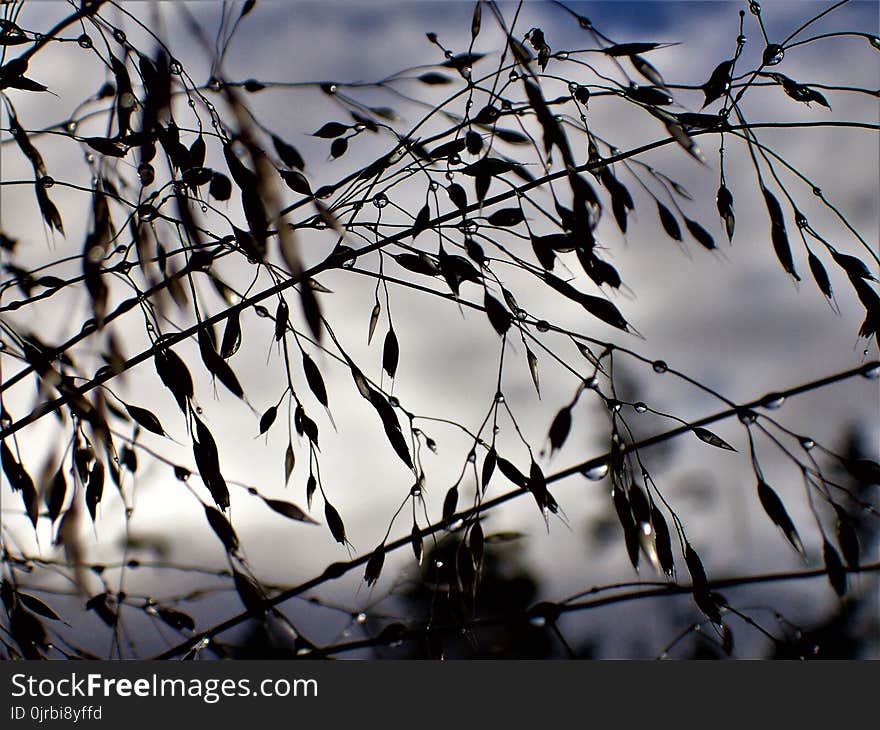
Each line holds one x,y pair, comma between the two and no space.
732,319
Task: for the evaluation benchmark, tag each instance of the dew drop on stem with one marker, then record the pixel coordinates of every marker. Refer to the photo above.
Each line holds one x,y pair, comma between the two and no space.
597,472
660,366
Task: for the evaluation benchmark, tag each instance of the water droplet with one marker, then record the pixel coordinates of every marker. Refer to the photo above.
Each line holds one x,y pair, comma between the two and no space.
542,325
46,181
747,416
640,407
455,525
499,397
817,192
772,401
513,75
380,200
215,84
175,68
572,86
450,175
801,220
84,41
660,366
741,40
613,405
416,491
204,208
595,473
454,159
471,457
496,429
562,55
199,410
147,212
871,371
70,126
591,383
434,185
146,173
754,7
320,225
875,41
90,158
506,105
806,443
773,55
127,100
468,227
392,400
538,621
438,564
584,22
119,35
361,618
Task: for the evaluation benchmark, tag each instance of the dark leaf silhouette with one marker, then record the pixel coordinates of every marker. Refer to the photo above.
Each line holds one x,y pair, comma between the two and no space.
724,203
208,462
703,237
559,429
221,527
834,568
450,504
177,620
331,130
267,419
820,275
776,511
38,606
334,522
489,463
175,376
422,219
512,473
662,542
288,154
231,336
249,592
498,315
416,542
778,233
630,529
315,380
630,49
145,418
374,565
506,217
718,83
288,510
94,488
668,221
390,354
710,438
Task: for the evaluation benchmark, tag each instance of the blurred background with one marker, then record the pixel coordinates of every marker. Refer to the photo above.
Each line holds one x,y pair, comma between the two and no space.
730,319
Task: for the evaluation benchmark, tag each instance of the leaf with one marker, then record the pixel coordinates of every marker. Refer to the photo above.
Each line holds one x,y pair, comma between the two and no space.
374,565
249,592
662,542
435,79
315,380
775,510
834,568
217,366
95,488
267,419
499,317
231,336
174,375
457,195
488,469
418,545
703,237
222,528
288,154
220,187
559,429
847,538
820,275
506,217
630,49
718,83
57,493
36,605
710,438
724,203
390,354
450,504
289,461
668,221
289,510
145,418
533,369
422,220
208,462
630,529
296,181
339,147
512,473
334,522
176,619
311,309
105,146
476,19
331,130
778,234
